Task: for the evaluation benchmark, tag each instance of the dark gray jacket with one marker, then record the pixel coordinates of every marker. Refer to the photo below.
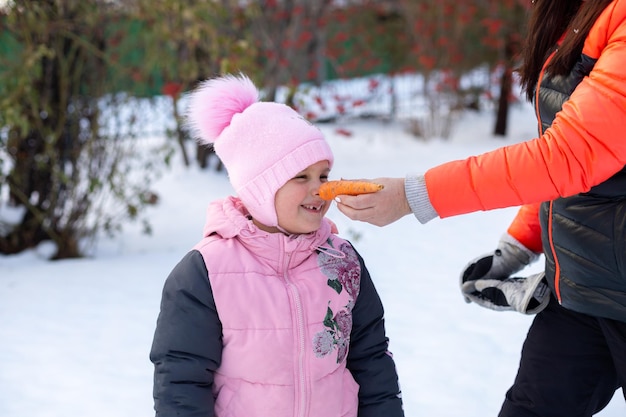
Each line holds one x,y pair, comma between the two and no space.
187,347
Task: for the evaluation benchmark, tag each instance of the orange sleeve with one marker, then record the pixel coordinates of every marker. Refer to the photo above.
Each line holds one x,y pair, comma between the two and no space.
526,228
583,147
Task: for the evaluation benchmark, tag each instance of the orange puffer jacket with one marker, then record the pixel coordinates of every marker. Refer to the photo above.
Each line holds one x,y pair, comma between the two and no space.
581,149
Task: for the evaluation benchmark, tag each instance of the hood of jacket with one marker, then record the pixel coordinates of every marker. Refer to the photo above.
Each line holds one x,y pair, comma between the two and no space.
228,219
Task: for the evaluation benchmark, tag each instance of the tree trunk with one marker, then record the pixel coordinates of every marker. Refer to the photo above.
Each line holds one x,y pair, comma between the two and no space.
180,134
506,81
503,103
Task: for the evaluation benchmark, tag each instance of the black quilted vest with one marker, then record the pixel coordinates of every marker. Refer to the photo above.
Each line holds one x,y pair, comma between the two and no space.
586,233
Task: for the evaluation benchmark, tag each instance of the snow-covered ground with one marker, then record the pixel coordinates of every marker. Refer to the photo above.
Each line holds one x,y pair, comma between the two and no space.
75,334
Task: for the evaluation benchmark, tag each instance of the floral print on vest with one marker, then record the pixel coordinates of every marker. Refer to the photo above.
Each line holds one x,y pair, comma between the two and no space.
344,273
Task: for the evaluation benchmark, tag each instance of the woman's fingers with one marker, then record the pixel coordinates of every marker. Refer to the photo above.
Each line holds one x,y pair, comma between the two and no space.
380,208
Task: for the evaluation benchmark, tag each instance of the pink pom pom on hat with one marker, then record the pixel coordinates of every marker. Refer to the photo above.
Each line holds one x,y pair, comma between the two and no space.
262,144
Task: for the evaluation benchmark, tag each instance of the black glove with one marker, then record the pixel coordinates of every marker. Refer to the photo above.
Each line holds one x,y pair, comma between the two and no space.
487,279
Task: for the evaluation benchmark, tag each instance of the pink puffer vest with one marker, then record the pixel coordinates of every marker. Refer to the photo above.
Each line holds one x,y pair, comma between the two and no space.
285,306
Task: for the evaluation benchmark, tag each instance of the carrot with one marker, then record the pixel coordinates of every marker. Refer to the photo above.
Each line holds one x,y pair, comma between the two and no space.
331,189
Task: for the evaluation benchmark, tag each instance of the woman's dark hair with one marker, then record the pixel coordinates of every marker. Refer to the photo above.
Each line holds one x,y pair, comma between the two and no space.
549,20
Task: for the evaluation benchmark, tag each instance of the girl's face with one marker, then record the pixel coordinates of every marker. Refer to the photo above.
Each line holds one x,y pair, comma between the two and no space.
299,208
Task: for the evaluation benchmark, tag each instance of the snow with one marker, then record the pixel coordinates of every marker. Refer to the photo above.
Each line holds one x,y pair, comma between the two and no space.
75,334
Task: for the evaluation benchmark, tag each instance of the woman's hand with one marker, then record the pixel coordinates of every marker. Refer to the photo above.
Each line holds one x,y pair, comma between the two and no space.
380,208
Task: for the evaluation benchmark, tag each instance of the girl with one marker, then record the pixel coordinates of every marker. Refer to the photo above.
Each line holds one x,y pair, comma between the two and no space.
270,314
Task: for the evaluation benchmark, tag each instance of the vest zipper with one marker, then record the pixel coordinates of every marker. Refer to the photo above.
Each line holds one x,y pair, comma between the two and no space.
301,399
557,267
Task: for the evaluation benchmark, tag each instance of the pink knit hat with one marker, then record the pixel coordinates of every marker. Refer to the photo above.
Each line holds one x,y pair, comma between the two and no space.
262,144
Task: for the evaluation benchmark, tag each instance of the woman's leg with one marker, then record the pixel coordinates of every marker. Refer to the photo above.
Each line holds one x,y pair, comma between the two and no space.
566,368
615,334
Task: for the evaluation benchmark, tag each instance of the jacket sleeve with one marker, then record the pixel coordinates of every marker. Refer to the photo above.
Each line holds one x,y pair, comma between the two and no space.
187,345
526,227
369,361
583,147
